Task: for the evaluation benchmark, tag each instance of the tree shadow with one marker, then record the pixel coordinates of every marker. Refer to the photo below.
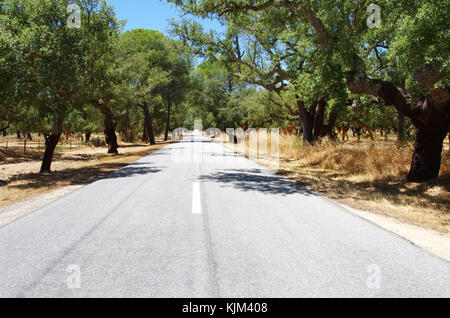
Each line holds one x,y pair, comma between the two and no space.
392,189
256,180
192,140
15,155
225,154
81,176
134,146
396,188
161,152
134,170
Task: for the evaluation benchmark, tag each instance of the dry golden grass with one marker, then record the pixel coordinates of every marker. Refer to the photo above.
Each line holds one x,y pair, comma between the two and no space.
368,175
371,176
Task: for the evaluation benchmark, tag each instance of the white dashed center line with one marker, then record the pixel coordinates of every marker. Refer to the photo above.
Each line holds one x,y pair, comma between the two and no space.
196,201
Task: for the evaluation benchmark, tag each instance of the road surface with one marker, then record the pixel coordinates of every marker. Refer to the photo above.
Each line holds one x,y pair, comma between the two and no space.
222,226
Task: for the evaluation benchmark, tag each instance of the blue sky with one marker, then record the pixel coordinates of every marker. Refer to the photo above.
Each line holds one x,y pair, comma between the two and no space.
150,14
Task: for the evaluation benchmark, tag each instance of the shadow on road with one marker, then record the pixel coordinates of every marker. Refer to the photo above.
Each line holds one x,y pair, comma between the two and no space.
193,140
256,180
82,176
136,169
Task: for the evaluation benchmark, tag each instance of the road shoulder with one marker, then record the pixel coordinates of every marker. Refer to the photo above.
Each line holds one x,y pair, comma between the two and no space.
433,242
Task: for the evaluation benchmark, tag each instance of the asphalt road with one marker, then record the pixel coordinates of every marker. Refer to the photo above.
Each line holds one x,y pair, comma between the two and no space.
222,226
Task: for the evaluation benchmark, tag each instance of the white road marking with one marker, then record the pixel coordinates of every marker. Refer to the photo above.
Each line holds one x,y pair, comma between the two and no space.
196,201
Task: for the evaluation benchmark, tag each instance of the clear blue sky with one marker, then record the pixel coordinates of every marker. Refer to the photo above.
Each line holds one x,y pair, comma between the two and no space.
151,14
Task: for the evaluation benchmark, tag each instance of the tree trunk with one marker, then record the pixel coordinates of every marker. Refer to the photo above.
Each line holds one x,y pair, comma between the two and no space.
110,133
330,132
320,116
51,140
166,135
307,121
426,161
29,137
148,123
88,136
401,128
369,131
3,130
357,130
110,126
18,135
145,137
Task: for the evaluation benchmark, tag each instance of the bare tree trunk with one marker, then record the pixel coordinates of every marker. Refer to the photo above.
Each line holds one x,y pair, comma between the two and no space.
145,137
357,130
426,162
330,132
307,121
110,126
320,116
132,134
148,123
51,140
369,131
4,129
110,132
169,104
401,128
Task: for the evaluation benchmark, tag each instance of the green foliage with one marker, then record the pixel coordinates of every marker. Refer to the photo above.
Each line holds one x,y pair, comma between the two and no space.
153,69
48,68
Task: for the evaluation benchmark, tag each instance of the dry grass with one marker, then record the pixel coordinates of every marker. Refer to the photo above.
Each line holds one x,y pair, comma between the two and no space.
19,177
365,161
369,175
